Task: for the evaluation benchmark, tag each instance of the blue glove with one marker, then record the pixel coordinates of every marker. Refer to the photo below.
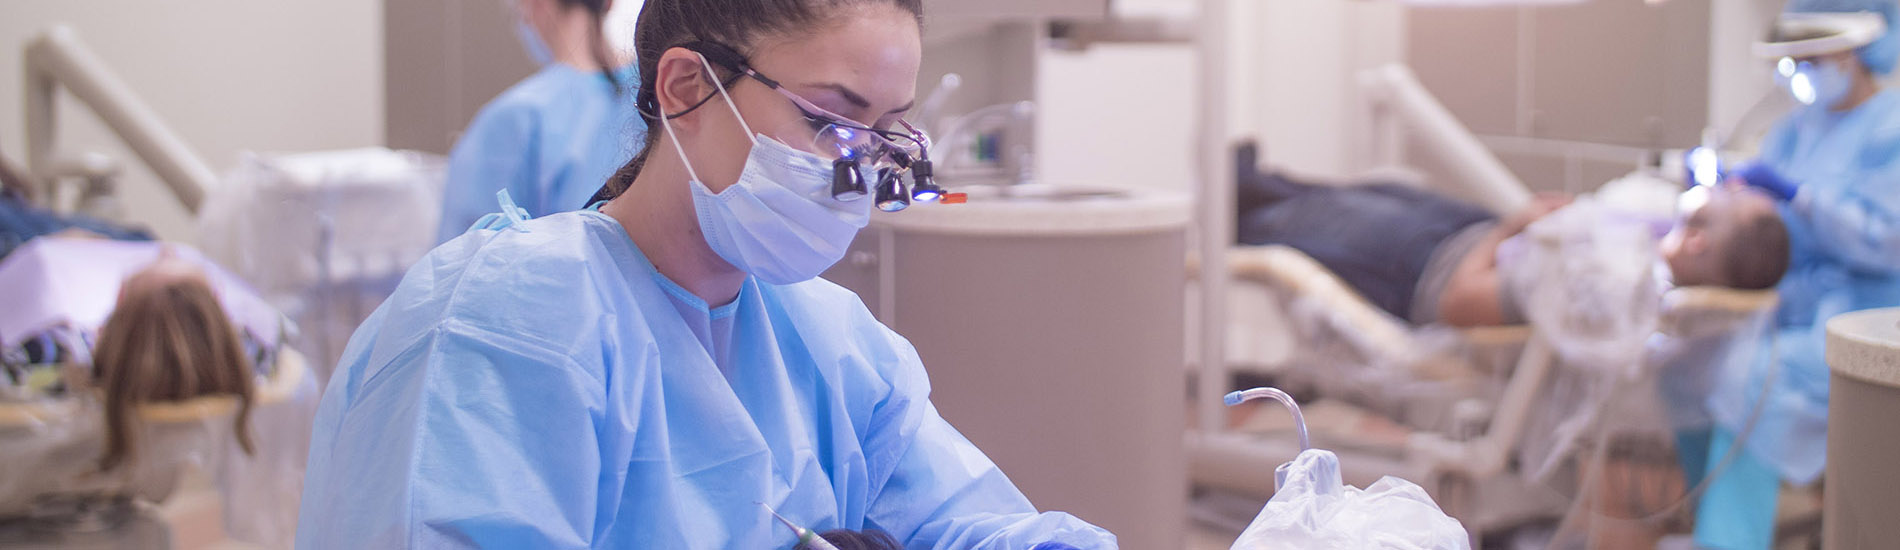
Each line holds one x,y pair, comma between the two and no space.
1054,546
1763,177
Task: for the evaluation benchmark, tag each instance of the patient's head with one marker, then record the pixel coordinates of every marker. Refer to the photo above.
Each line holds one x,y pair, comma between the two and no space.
1735,239
167,340
858,540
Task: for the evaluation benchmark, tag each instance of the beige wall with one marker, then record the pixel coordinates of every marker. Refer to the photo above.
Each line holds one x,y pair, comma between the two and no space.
226,75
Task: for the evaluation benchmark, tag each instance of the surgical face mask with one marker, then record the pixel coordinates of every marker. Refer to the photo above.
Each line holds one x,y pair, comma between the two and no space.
531,41
779,222
1815,83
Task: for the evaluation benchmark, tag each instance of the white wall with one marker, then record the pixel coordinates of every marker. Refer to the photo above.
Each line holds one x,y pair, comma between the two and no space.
226,75
1125,114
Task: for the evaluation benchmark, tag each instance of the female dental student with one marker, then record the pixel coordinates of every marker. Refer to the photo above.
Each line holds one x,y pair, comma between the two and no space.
550,139
1834,165
667,369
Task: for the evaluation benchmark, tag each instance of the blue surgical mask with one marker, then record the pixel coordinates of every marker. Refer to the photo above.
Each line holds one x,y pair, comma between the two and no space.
531,41
779,222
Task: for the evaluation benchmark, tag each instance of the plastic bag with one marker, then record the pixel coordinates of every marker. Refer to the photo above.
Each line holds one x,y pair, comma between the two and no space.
1585,278
1313,508
325,236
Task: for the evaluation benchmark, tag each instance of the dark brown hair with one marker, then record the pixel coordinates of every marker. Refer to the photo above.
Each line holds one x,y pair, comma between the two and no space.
1756,253
858,540
167,340
666,24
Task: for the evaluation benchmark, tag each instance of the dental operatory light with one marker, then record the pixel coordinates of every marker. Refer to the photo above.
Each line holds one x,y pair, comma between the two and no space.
1694,198
1705,167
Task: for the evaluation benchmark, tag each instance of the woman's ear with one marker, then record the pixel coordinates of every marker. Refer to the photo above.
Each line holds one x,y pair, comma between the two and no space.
681,83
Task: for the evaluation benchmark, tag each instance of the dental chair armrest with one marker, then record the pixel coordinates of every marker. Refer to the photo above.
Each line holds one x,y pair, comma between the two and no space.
1715,298
1292,271
1703,311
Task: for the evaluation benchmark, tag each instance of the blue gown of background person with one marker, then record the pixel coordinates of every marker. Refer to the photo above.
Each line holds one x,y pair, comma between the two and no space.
550,140
541,385
1844,228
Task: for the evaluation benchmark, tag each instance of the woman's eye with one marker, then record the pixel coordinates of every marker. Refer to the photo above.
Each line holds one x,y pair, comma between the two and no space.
817,124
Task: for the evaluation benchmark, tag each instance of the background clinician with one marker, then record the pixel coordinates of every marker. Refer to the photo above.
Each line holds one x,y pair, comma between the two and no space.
551,139
1834,165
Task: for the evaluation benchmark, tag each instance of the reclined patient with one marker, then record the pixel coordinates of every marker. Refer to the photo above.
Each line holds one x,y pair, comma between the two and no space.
1428,258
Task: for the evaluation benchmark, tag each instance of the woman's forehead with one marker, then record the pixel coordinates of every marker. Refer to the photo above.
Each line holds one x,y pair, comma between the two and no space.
875,53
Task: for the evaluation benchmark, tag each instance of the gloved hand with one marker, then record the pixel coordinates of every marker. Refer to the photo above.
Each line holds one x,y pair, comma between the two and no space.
1762,176
1053,546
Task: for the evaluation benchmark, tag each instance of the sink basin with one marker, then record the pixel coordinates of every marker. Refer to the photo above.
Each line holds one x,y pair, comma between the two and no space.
1039,192
1044,209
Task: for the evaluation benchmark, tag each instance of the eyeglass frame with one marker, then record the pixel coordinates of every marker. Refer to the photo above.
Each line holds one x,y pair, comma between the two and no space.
729,58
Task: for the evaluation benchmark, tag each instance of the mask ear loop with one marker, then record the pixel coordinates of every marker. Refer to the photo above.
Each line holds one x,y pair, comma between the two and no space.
666,121
714,75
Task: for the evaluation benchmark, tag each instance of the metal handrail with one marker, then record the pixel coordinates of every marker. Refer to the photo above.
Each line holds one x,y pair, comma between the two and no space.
1395,90
57,58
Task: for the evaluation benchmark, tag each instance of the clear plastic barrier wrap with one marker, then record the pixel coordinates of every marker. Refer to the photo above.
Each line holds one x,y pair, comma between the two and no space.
325,236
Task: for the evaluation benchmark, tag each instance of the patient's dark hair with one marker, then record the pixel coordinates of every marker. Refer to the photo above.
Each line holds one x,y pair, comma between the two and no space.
738,24
1756,253
858,540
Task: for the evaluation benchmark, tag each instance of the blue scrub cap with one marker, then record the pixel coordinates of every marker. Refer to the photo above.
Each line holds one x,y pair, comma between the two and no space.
1879,56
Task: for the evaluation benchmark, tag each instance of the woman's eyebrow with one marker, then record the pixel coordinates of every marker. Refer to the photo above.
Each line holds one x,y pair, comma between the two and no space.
855,98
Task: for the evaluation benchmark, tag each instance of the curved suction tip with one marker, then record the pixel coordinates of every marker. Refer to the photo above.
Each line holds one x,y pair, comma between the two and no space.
1299,420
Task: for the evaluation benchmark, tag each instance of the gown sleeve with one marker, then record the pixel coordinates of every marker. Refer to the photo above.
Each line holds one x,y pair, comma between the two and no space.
464,439
1858,223
941,492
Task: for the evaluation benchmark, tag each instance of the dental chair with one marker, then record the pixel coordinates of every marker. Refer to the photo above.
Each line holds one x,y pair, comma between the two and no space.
50,496
1460,411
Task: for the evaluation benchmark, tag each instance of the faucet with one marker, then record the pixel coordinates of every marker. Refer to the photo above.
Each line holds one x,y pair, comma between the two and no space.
972,128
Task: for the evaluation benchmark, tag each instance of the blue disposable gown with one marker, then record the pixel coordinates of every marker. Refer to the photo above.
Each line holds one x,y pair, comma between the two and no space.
550,140
1844,226
548,388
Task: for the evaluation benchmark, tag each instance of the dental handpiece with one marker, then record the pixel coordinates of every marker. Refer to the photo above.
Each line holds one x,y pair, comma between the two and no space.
806,537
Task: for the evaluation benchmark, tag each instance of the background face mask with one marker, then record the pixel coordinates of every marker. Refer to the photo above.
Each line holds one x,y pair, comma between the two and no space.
531,41
1819,83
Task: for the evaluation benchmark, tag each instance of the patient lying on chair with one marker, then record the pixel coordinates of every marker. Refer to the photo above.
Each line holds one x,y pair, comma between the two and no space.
1428,258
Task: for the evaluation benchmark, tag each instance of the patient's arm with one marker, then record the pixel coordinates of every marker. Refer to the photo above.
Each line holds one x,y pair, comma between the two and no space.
1471,297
